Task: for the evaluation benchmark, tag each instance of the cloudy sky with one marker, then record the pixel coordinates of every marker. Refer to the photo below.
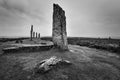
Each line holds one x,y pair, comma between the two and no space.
85,18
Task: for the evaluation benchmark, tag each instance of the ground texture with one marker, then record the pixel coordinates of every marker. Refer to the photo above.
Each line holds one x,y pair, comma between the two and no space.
87,64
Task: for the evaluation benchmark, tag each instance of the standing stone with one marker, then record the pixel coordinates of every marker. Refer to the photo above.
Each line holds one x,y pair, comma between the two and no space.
59,33
36,34
31,33
39,35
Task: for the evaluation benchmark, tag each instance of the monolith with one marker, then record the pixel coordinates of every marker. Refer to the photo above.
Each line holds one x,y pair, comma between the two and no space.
39,35
36,35
59,33
31,33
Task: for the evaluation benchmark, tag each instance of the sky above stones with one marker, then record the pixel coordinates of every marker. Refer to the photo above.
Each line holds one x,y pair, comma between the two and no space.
85,18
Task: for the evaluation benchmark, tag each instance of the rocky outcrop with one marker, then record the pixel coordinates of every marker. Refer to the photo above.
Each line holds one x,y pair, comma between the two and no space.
59,28
48,64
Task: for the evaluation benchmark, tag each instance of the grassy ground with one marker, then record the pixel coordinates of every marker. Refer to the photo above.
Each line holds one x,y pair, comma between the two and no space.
87,64
108,44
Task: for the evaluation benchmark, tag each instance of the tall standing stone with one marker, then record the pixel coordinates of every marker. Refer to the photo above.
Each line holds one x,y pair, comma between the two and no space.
59,33
36,34
39,35
31,33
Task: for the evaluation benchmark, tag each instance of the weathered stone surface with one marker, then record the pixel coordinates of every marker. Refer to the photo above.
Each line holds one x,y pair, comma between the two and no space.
59,33
31,33
48,64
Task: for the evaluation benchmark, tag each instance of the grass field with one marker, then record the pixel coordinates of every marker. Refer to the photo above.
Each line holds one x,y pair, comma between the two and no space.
109,44
87,64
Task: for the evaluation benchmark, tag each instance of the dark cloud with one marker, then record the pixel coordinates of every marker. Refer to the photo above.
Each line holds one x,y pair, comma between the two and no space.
16,16
15,5
21,8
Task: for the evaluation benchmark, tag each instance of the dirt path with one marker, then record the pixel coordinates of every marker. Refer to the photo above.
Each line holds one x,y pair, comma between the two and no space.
96,56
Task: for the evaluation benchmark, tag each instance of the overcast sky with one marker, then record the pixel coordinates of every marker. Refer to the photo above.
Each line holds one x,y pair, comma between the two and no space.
85,18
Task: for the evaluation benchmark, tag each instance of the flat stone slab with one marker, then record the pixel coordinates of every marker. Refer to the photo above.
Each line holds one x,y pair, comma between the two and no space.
28,47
